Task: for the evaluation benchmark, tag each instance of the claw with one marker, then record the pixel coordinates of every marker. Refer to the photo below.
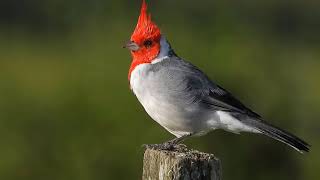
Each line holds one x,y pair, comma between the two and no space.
169,145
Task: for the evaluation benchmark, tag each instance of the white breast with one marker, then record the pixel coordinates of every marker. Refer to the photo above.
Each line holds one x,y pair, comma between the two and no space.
164,113
142,84
137,76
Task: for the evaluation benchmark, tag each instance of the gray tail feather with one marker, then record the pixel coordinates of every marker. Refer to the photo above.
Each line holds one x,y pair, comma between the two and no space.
278,134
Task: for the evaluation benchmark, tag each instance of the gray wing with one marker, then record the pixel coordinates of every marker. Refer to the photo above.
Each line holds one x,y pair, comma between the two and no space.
191,85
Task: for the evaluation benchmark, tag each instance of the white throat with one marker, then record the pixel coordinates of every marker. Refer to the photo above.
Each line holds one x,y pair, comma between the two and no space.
164,50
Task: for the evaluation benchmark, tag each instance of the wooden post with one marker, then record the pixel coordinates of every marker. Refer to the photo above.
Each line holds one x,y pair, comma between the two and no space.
179,164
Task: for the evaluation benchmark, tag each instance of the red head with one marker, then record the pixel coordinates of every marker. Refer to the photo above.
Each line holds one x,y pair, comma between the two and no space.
145,40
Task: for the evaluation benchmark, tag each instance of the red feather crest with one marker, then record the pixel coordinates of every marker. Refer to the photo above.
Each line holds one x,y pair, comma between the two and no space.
145,27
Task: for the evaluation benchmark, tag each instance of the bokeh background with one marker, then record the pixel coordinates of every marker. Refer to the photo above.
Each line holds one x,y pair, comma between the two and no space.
66,111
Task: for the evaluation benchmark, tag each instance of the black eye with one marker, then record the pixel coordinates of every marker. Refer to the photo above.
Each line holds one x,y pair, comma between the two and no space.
147,43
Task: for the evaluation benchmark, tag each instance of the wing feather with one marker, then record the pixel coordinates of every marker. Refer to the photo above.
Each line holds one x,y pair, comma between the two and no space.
198,88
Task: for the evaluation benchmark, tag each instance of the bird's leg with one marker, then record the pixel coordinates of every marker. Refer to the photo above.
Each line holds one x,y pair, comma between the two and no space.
178,140
168,145
172,144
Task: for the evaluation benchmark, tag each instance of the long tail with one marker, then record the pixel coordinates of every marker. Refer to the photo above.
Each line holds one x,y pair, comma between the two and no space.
278,134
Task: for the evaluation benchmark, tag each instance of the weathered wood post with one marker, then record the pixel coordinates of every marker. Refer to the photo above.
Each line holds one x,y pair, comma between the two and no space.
179,164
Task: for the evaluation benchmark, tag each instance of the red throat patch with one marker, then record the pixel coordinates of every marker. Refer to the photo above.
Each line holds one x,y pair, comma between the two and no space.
147,36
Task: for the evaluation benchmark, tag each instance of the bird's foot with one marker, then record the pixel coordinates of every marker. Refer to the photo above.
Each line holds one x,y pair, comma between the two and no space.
169,146
173,144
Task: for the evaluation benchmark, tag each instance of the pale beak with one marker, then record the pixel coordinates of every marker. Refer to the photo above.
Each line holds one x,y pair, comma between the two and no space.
132,46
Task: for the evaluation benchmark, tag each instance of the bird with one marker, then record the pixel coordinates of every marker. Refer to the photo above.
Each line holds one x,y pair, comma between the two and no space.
182,98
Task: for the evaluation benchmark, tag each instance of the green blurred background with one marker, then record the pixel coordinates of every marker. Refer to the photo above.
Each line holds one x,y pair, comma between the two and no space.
66,111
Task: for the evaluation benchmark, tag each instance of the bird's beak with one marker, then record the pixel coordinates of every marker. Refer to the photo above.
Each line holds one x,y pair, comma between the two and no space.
131,46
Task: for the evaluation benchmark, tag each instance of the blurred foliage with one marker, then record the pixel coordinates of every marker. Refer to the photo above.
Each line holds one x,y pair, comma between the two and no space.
66,111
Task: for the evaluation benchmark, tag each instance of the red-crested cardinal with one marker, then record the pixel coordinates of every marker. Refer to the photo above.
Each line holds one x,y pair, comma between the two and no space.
181,98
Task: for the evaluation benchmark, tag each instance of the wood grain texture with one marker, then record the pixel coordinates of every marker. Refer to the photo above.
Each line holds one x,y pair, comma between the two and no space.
179,164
